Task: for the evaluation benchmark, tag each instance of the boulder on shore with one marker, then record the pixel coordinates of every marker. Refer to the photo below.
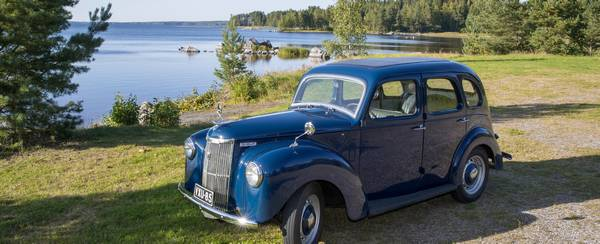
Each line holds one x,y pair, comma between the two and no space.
316,52
189,49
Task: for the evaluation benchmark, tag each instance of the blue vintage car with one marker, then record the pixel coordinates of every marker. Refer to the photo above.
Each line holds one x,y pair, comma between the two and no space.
369,135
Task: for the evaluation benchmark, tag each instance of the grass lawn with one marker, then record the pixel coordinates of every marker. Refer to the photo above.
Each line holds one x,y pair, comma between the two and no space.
119,184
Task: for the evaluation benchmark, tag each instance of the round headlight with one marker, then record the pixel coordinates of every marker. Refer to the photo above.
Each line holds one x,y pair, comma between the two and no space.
253,175
189,148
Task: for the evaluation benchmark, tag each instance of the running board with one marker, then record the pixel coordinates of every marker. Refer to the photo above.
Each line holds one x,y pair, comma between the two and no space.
378,207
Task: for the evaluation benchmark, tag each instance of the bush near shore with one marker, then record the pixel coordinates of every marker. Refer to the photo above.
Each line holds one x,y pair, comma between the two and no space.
247,88
293,52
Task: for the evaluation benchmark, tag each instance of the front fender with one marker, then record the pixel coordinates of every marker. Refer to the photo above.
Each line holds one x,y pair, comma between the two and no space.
478,136
288,169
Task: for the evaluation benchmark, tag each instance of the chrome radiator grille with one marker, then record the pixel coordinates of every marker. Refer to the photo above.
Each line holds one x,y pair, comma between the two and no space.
216,170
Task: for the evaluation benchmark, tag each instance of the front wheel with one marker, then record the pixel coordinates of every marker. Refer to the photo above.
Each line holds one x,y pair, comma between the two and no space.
302,216
473,175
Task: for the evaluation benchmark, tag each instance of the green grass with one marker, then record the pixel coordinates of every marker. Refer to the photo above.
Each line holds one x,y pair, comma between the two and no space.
119,184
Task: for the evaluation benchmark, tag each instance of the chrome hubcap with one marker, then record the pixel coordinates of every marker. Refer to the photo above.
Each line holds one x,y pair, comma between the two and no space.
474,174
310,219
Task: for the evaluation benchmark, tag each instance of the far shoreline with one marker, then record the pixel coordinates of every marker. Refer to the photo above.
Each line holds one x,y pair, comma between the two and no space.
457,35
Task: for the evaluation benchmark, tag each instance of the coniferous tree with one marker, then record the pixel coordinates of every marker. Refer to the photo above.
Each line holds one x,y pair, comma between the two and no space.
495,27
231,63
558,26
37,64
592,30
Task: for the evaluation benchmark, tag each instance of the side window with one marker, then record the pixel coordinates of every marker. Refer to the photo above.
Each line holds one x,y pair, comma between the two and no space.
441,96
394,99
472,93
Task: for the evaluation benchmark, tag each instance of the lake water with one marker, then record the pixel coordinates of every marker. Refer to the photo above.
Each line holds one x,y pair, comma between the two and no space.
142,59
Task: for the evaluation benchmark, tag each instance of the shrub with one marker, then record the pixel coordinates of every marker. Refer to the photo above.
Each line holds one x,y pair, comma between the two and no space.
293,52
246,87
281,85
164,114
124,111
196,102
7,145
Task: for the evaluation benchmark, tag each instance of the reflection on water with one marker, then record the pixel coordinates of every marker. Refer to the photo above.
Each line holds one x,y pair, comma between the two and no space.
143,59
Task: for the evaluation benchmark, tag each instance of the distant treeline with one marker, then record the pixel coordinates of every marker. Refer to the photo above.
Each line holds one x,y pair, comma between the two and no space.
569,27
379,16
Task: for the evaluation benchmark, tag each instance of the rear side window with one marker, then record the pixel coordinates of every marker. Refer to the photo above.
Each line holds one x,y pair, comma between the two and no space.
441,96
472,93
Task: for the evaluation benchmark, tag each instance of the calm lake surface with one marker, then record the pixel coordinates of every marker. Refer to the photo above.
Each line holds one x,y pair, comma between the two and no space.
142,59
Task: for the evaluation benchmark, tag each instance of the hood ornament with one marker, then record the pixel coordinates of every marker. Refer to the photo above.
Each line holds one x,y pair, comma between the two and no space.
309,130
220,114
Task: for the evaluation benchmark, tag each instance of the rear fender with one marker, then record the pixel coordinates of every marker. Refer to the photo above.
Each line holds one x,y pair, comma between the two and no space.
478,136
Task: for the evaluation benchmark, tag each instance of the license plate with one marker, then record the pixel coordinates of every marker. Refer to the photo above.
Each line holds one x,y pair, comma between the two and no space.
203,194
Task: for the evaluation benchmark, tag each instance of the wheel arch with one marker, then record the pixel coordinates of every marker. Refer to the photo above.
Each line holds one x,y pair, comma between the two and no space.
477,137
287,170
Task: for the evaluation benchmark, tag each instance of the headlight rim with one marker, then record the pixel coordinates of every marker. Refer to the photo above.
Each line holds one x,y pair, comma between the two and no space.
259,174
189,146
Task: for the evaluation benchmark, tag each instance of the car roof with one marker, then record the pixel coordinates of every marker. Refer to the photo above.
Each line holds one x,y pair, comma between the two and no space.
372,70
386,62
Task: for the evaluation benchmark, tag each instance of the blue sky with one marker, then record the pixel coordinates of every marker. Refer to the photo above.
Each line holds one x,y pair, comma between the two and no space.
187,10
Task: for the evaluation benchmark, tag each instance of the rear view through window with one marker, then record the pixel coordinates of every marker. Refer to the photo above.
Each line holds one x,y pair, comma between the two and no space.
441,96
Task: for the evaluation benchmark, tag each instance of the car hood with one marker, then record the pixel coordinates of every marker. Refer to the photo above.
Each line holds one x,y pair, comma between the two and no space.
287,123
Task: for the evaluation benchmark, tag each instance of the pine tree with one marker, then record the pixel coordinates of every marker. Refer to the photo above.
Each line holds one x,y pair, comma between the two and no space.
592,30
37,64
558,26
495,27
229,56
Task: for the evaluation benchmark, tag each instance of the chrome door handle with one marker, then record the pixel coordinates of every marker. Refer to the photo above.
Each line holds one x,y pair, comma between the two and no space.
463,120
420,127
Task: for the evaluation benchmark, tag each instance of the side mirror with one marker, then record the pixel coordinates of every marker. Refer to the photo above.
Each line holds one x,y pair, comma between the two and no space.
309,130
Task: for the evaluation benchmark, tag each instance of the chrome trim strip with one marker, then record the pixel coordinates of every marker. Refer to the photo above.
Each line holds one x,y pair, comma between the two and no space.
229,218
218,140
333,76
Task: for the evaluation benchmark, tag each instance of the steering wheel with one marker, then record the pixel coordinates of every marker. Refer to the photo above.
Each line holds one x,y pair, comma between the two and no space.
352,106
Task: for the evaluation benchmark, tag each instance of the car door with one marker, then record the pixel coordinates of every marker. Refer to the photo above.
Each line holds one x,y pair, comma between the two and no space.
445,124
390,145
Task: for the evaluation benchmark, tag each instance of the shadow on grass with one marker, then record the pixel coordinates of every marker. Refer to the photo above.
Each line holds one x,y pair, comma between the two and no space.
510,196
161,214
154,215
538,110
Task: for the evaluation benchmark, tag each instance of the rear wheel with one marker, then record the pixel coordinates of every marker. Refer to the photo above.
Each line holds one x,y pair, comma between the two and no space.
301,219
473,175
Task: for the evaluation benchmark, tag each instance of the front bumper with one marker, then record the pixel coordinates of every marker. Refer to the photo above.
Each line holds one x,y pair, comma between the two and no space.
217,214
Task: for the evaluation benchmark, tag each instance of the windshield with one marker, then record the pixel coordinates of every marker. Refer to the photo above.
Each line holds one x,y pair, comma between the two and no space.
338,93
